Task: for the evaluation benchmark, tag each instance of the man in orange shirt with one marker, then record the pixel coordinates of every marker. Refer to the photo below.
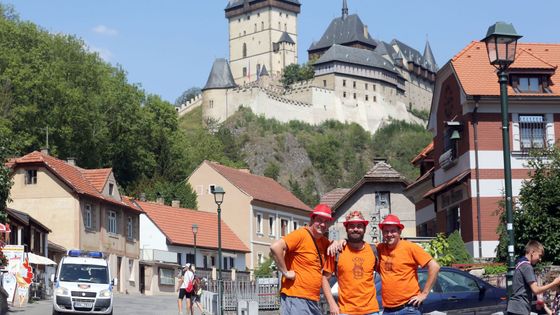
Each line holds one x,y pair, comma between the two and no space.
300,257
398,267
355,271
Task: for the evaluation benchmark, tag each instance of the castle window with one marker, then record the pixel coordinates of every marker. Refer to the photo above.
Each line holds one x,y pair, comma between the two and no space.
285,27
280,14
367,97
255,27
244,50
248,17
211,104
258,68
324,83
344,94
244,71
343,82
375,98
374,87
279,26
262,26
258,15
354,84
354,95
366,86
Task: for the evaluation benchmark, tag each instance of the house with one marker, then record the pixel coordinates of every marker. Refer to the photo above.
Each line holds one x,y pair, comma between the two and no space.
378,193
83,208
467,155
257,208
168,241
25,230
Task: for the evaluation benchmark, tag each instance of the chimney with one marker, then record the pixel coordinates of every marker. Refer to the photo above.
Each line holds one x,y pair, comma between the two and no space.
45,150
366,31
71,161
159,199
143,197
176,203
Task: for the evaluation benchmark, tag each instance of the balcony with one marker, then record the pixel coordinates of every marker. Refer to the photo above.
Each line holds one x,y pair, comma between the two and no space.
158,255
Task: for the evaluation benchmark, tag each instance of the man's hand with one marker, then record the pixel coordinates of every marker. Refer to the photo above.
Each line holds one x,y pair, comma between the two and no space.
417,300
333,309
556,281
336,247
290,274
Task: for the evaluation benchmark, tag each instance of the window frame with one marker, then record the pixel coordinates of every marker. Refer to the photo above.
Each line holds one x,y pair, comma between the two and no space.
88,216
112,222
129,228
31,177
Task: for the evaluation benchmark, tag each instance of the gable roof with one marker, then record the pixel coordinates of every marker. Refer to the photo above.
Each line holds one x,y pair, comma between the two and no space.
332,197
356,56
344,30
97,177
71,175
424,153
259,187
477,77
26,219
176,223
381,172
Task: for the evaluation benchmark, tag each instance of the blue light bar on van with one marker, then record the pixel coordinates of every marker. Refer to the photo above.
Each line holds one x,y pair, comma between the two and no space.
81,253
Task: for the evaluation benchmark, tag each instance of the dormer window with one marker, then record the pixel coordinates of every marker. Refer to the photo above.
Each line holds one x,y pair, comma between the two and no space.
111,189
530,83
31,177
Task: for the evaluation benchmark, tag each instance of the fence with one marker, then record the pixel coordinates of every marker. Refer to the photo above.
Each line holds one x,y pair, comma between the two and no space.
263,290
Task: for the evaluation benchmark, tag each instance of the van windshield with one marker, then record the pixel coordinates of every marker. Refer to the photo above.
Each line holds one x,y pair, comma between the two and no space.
84,273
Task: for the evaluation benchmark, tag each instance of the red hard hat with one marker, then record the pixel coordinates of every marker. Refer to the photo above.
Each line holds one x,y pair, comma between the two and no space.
391,219
322,210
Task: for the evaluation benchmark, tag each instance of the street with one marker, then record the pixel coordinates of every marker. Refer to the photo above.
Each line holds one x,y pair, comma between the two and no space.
124,304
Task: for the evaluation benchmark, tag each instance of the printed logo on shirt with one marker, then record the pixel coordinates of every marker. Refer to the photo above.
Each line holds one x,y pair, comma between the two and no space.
358,269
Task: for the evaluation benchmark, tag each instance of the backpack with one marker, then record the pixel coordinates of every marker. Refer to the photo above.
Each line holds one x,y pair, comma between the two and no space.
375,254
196,285
189,287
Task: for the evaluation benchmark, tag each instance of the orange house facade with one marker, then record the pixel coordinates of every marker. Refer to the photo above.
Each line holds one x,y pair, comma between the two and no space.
462,177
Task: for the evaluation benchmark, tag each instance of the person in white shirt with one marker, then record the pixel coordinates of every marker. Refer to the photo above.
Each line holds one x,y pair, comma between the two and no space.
186,288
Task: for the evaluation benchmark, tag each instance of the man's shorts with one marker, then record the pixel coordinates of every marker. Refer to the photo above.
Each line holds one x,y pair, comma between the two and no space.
183,293
294,305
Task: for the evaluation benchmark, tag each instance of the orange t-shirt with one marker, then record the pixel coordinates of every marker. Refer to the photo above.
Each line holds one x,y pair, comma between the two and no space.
356,289
398,269
301,257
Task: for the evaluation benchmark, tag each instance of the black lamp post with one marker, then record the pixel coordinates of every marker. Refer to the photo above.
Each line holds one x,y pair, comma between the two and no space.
501,42
219,193
194,231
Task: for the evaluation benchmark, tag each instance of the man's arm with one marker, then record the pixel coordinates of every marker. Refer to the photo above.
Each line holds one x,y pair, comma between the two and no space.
433,269
538,290
333,307
278,250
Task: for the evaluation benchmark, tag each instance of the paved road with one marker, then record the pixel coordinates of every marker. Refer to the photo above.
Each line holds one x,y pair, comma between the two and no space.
124,304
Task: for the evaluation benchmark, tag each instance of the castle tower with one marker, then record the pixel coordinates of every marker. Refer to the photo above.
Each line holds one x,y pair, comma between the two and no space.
261,33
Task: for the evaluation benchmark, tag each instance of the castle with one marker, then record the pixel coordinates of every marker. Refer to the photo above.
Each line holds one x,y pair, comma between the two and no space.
357,78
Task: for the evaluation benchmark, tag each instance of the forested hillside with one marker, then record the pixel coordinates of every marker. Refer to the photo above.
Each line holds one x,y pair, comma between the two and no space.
52,82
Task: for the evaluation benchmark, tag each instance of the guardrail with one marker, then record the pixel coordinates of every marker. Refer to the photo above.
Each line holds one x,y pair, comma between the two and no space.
264,292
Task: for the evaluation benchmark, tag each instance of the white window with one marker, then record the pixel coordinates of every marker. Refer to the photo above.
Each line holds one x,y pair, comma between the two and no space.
271,226
532,129
259,223
211,188
112,222
88,222
31,177
129,228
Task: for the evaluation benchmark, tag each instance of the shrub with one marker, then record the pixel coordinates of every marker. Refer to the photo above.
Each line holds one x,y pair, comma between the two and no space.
457,249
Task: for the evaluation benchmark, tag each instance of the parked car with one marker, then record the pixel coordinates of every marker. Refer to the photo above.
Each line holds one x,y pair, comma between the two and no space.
455,292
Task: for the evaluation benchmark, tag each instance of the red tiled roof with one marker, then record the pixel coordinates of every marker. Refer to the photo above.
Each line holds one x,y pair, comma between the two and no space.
71,175
424,153
478,77
449,183
97,177
259,187
332,197
176,224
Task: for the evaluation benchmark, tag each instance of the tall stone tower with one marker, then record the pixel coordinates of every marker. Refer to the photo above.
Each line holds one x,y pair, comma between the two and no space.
261,33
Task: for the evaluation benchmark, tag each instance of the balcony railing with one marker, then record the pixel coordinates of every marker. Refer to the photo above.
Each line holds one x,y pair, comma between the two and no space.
158,255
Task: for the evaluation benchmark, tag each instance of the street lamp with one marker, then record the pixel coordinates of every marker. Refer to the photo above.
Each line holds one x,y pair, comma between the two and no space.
194,231
219,193
501,42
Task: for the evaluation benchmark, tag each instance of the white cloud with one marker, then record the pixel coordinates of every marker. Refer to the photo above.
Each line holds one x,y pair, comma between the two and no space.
104,53
104,30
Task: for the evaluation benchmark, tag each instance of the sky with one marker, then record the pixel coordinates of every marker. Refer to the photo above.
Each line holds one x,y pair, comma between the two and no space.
168,46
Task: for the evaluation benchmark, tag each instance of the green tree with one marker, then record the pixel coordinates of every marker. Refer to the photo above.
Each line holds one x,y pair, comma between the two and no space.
439,249
457,249
265,269
272,170
537,214
294,73
187,95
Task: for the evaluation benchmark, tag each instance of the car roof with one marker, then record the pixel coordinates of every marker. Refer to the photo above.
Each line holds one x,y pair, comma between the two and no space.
84,261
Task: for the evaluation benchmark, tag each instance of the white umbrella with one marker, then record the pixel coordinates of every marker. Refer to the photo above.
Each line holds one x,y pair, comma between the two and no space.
39,260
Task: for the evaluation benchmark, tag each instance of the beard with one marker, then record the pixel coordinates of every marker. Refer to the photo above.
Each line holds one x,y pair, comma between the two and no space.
355,238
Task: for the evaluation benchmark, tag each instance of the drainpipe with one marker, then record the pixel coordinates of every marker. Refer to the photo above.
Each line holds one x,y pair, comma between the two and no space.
477,173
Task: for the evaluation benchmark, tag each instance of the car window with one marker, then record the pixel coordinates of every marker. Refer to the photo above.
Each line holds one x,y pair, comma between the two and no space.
456,282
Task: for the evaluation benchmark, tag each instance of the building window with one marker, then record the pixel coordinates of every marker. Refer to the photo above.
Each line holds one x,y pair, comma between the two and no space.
111,189
285,27
453,220
532,130
179,262
295,225
367,98
129,228
374,87
283,227
279,26
259,223
354,95
383,202
375,98
190,259
211,104
343,82
324,83
206,261
112,222
271,226
244,71
366,86
244,50
212,261
88,217
344,94
354,84
166,276
530,84
31,177
258,69
231,262
255,27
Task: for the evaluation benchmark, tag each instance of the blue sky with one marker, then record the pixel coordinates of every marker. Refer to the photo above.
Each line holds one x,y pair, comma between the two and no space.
168,46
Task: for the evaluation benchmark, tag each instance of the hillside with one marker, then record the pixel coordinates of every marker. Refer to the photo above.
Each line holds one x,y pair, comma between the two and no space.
309,160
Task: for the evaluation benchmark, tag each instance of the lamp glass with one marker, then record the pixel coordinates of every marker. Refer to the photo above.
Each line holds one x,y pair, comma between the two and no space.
218,195
195,228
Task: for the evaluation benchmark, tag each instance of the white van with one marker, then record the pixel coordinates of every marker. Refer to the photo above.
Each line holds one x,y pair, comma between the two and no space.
82,284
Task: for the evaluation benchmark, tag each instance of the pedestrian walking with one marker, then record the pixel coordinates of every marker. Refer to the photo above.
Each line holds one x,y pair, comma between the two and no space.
525,282
185,288
355,269
197,292
300,257
398,266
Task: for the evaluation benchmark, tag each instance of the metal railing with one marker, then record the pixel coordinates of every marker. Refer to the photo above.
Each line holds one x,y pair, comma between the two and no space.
532,131
266,293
